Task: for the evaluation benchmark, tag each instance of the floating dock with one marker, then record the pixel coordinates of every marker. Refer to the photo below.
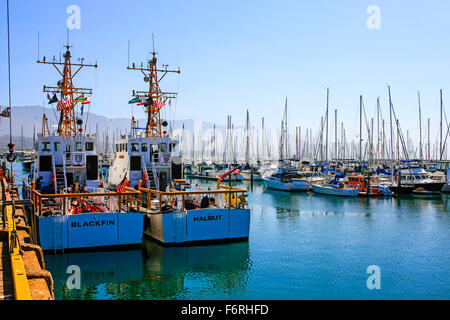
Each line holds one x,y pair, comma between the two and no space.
23,275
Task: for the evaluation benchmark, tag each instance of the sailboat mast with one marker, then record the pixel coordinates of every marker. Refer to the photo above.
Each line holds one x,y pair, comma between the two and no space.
360,129
335,135
420,128
440,128
392,137
326,137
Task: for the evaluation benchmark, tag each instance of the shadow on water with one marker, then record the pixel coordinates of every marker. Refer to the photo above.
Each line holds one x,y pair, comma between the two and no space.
155,272
99,271
220,270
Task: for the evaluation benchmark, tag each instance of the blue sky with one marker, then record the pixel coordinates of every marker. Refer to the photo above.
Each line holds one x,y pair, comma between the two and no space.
236,55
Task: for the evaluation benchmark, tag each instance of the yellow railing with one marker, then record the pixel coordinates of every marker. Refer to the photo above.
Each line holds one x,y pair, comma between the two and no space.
126,198
234,197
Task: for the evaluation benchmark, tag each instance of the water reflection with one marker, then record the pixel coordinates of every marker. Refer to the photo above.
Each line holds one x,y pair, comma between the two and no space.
171,273
99,270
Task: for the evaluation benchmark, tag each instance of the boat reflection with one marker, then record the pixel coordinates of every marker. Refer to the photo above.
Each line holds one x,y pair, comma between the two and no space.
96,269
170,272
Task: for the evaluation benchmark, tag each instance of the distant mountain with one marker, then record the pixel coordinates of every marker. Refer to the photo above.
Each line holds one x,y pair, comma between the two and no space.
29,118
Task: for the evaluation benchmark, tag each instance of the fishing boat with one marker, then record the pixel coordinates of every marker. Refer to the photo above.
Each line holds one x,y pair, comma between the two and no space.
72,210
180,216
174,214
148,154
368,186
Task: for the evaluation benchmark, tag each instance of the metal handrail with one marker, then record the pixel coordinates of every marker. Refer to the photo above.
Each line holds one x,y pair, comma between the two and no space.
227,193
37,197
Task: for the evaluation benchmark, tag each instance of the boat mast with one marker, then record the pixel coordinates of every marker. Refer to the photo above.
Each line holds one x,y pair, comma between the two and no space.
440,128
335,136
247,143
360,129
67,125
326,137
420,128
392,138
154,99
378,131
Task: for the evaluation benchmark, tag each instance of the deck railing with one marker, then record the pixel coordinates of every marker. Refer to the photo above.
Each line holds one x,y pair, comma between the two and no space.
113,201
230,197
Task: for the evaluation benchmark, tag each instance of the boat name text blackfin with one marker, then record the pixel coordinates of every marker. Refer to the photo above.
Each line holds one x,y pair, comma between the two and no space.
98,223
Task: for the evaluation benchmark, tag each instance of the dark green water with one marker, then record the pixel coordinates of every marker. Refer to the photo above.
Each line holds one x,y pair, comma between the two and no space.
301,246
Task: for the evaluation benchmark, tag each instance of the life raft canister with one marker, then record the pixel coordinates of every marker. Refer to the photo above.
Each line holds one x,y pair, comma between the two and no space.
144,178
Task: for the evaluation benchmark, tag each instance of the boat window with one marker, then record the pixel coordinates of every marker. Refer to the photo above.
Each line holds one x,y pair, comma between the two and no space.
45,163
172,147
89,146
162,147
91,167
45,146
57,146
79,146
135,163
144,147
125,145
67,147
135,147
154,151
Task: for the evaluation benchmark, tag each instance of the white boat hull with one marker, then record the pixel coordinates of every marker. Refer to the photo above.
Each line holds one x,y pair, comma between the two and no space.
295,185
330,191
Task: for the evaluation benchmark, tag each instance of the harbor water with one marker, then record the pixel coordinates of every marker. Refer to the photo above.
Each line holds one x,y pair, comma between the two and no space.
301,246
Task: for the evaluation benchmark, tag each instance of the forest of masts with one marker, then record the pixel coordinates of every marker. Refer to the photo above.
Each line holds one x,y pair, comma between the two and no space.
253,143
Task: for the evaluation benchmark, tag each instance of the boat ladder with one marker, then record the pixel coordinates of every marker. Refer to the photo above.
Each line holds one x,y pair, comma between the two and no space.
155,176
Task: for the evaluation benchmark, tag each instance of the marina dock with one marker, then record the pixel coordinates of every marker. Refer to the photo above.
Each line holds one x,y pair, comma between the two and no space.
23,275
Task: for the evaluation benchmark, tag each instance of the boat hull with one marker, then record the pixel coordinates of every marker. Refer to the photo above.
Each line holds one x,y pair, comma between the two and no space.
402,190
446,188
287,186
202,225
436,186
90,230
329,191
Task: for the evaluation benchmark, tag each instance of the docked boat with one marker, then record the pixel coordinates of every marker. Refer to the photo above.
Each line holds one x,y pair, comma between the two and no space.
286,178
148,154
27,162
418,178
207,172
174,214
72,211
368,186
181,216
335,189
440,177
